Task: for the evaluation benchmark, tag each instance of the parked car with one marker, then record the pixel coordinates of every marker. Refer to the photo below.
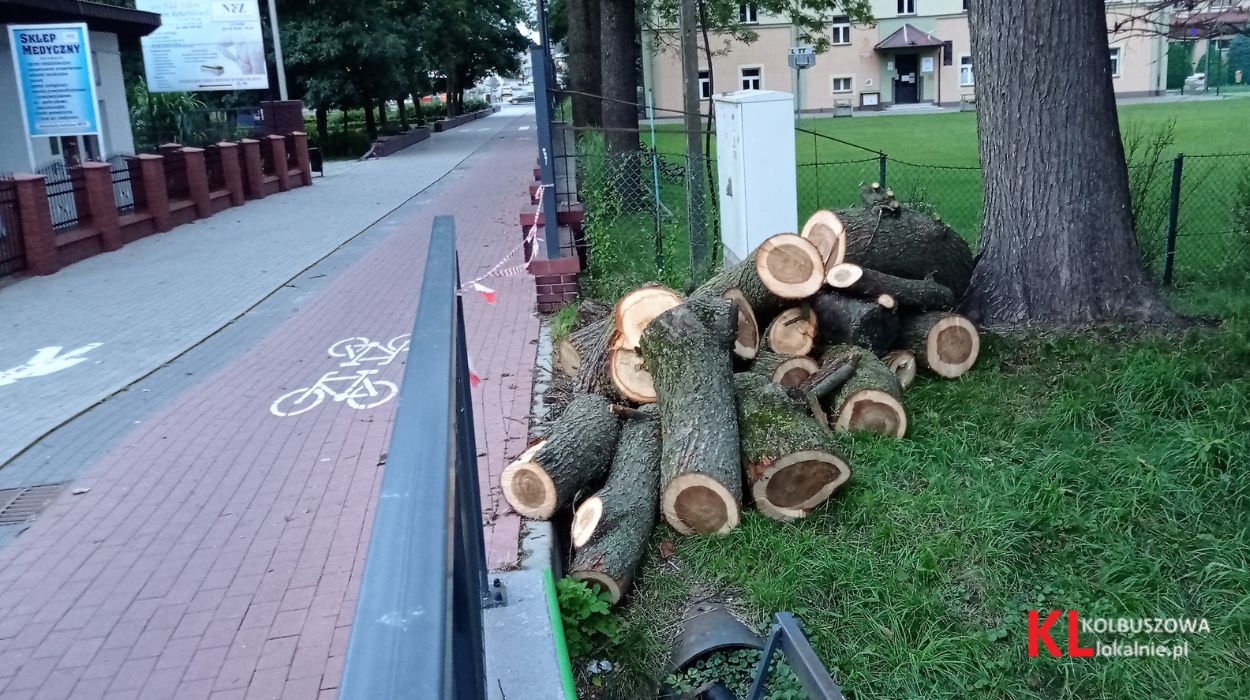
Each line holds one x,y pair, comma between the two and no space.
505,91
523,98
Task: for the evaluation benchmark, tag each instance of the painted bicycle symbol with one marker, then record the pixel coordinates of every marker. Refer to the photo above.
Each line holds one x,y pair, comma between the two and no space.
359,390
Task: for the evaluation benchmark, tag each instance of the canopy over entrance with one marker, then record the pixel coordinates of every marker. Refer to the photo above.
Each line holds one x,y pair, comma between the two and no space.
908,37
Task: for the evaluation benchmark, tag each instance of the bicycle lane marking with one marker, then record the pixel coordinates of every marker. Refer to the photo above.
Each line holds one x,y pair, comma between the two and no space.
363,389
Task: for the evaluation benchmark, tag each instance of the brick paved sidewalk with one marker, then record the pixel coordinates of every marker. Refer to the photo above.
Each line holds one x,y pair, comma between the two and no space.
218,551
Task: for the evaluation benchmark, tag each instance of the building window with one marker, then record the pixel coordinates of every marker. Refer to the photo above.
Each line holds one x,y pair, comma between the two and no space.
1221,45
843,84
965,5
841,30
705,85
966,78
948,53
1115,61
752,78
907,7
748,13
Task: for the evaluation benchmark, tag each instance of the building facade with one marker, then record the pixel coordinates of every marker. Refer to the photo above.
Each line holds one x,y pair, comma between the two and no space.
918,52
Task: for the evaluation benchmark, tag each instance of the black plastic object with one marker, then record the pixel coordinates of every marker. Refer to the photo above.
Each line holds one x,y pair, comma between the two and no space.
708,628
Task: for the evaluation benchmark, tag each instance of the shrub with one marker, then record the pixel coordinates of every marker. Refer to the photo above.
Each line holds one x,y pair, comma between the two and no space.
589,624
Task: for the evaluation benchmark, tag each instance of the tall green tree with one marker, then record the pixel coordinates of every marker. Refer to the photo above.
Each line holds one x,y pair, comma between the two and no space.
464,41
1180,63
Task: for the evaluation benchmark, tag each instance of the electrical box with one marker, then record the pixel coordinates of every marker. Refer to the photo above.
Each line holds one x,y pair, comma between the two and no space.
756,168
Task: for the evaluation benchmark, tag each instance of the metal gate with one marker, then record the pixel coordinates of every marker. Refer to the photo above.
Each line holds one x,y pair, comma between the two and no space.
12,250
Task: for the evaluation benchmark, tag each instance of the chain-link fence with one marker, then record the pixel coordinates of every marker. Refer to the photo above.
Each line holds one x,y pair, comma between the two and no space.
640,211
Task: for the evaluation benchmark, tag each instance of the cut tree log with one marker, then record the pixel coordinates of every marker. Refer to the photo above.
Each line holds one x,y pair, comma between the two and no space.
793,332
576,456
743,278
871,400
785,370
700,468
913,295
629,375
826,231
747,339
638,307
889,238
841,319
789,459
611,528
790,267
570,347
903,364
948,344
583,355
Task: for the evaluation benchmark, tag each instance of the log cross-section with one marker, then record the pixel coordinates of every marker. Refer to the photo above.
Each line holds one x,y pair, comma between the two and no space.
700,468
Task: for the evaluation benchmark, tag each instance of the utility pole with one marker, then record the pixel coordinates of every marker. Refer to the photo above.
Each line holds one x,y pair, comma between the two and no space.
694,153
277,49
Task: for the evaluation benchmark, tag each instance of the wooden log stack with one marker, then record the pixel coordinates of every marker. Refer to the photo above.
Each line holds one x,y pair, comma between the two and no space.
690,409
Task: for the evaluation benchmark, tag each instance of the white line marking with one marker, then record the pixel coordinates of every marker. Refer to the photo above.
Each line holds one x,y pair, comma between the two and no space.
523,128
46,361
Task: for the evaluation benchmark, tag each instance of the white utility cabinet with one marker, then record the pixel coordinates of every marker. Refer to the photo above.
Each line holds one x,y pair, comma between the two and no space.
755,168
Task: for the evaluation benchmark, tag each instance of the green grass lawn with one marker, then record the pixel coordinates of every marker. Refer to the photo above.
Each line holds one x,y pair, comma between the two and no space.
1106,475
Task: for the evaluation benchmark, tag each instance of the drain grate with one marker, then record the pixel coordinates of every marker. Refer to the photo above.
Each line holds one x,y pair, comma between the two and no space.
24,503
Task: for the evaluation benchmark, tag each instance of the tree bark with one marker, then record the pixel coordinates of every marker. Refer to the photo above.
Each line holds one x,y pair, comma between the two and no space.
371,126
1057,242
701,474
841,319
789,459
323,124
619,70
786,370
915,295
584,69
576,455
611,528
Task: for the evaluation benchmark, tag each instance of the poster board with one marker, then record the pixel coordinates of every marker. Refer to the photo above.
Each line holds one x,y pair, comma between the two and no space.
205,45
55,79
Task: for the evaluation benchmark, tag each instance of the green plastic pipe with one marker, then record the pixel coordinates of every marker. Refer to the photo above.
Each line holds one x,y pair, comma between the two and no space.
557,632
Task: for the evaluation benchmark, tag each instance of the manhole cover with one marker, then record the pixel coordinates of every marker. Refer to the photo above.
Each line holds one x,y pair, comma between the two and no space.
23,503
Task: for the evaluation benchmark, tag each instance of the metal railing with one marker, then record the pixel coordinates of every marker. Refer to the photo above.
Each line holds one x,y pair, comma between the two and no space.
418,623
12,247
63,195
123,188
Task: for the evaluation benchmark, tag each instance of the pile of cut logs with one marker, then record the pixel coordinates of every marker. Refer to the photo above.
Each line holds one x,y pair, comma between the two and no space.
690,407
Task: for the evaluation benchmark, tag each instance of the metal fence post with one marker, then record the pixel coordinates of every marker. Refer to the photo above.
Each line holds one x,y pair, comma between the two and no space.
884,160
1174,208
546,162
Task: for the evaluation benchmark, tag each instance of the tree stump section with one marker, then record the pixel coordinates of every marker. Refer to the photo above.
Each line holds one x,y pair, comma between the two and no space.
947,344
892,239
903,364
548,475
793,332
747,339
611,528
785,370
700,468
841,319
914,295
825,230
638,307
586,351
746,281
871,400
629,375
789,266
789,460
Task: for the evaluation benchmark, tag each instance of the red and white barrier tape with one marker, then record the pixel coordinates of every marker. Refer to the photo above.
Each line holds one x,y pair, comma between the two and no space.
529,242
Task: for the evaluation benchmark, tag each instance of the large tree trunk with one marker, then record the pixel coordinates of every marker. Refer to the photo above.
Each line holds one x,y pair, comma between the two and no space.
371,126
611,528
619,70
323,124
692,367
584,69
1057,243
548,475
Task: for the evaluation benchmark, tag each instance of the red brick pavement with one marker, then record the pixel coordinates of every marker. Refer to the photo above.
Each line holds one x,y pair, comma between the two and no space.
219,550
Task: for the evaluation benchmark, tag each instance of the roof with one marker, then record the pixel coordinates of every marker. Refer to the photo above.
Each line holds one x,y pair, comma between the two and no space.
99,17
1199,25
908,37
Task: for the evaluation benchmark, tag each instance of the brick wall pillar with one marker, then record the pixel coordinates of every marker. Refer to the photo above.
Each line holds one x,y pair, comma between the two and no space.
252,172
197,181
232,171
277,151
300,139
154,188
37,235
97,191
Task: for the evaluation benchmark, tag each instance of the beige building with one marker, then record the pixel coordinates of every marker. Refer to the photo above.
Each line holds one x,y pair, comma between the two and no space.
919,52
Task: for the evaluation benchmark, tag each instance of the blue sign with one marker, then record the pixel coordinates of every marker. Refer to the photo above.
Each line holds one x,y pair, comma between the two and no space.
55,79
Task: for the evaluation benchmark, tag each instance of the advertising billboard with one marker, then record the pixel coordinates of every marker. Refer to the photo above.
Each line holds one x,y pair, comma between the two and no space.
56,80
205,45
